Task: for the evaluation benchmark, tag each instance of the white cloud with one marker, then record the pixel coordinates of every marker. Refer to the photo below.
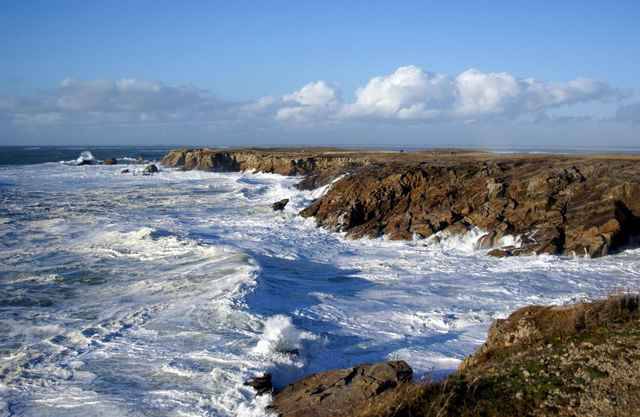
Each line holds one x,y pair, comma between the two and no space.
479,93
317,100
407,94
411,93
119,101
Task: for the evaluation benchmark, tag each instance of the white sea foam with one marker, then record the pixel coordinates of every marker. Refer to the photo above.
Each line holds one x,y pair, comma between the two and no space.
281,336
161,295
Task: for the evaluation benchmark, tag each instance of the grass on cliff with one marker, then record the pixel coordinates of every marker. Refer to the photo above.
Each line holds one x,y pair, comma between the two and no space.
589,368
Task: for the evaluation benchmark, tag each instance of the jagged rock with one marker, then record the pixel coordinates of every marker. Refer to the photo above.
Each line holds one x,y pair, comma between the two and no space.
572,207
110,161
340,392
280,205
262,384
150,169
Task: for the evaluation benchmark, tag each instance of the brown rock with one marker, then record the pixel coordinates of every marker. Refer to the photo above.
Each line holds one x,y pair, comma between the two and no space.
572,207
340,392
110,161
318,166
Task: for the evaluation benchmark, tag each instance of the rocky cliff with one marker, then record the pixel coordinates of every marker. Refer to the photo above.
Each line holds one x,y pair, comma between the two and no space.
552,204
581,206
317,166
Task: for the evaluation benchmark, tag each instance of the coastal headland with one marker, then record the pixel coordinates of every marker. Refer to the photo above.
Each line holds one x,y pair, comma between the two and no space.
580,205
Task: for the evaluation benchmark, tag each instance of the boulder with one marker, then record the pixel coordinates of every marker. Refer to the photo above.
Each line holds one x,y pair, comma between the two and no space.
280,205
110,161
125,171
340,392
150,169
262,384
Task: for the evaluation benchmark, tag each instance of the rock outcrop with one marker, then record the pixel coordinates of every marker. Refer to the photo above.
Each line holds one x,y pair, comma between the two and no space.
584,206
555,205
340,392
318,167
581,360
533,325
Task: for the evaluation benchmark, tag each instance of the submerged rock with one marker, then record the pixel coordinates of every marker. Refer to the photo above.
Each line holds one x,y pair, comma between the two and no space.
262,384
150,169
280,205
85,158
340,392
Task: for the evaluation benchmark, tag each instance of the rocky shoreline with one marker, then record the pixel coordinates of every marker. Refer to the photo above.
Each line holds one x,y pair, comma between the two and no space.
575,360
526,204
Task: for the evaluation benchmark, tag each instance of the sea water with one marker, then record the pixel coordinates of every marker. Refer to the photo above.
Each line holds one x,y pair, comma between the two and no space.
130,295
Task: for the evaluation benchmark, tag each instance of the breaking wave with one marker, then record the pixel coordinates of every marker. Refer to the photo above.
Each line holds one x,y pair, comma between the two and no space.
126,295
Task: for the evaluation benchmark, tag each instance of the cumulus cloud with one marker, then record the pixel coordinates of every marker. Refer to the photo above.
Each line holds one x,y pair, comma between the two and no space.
407,94
313,101
411,93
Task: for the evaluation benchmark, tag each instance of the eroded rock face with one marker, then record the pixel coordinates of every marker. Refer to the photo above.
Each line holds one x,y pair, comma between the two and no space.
540,324
318,168
558,206
340,392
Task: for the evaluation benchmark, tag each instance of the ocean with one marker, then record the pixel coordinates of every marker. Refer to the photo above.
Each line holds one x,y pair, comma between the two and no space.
131,295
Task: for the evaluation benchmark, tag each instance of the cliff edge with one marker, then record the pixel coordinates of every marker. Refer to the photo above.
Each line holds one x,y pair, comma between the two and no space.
564,205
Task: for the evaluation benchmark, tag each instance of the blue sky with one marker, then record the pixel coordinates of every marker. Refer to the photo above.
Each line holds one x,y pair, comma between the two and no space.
199,72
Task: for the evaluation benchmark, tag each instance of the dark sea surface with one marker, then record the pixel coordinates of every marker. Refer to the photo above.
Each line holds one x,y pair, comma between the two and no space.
25,155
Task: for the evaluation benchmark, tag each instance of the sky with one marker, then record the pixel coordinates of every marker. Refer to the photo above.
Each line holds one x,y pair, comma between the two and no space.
403,73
